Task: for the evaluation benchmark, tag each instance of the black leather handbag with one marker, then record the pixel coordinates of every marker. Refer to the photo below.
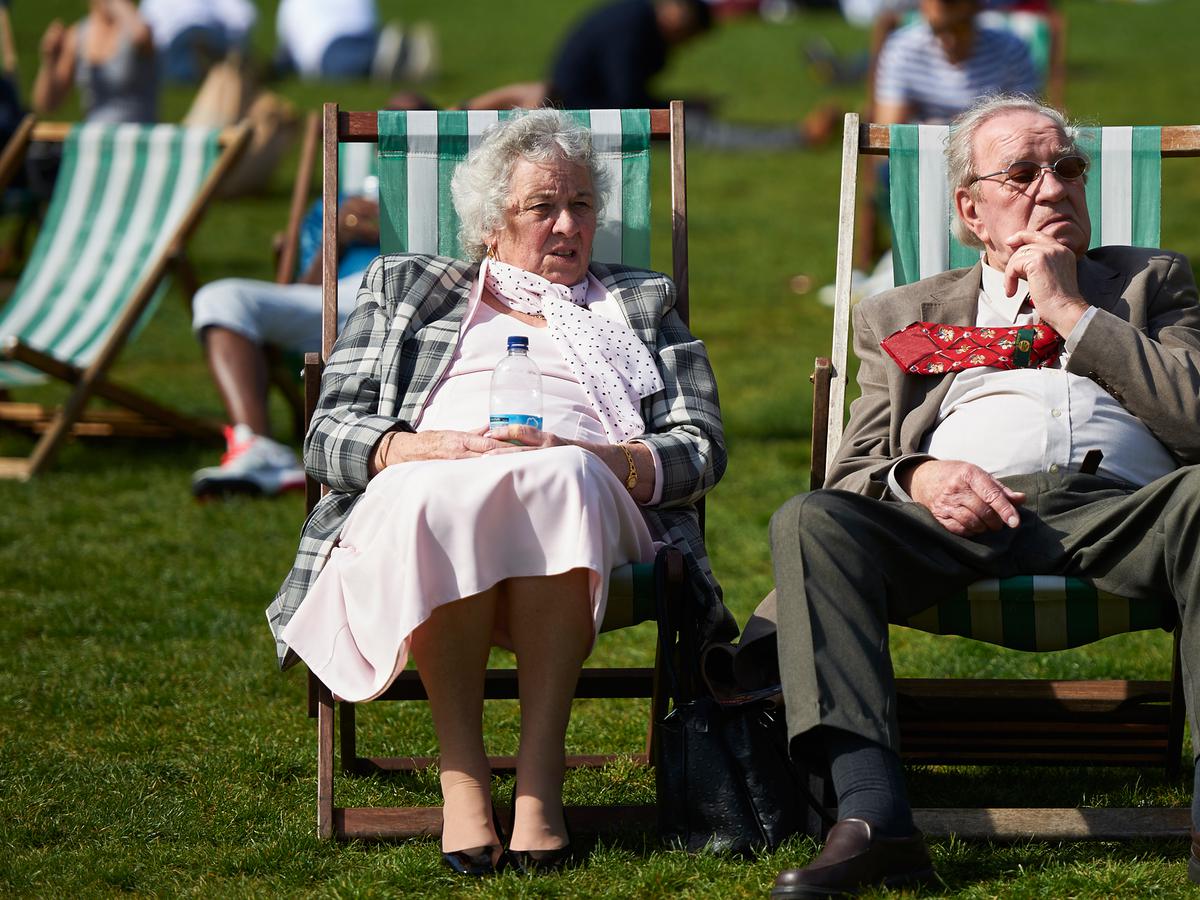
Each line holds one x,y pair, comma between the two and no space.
725,781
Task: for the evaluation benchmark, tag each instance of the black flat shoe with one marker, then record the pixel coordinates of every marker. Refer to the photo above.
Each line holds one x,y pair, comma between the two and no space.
532,862
478,862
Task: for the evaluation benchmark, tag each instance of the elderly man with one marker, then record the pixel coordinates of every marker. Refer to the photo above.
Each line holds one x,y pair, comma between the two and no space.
947,477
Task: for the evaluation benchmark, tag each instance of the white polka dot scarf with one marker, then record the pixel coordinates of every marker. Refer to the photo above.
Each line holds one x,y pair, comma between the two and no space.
609,360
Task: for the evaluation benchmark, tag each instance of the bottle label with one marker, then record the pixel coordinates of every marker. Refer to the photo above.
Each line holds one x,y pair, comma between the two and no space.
499,420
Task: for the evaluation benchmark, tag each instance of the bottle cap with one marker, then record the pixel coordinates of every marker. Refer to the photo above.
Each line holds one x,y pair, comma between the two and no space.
519,341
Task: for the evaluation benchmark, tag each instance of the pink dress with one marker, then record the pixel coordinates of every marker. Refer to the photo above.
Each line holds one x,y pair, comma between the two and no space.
431,532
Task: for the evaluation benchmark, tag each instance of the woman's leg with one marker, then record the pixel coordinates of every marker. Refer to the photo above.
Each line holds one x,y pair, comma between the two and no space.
450,649
550,625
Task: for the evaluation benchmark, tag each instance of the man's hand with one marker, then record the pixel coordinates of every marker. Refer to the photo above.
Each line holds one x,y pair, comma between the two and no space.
1049,268
964,498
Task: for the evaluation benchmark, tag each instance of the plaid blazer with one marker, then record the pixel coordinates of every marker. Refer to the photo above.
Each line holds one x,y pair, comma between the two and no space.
399,342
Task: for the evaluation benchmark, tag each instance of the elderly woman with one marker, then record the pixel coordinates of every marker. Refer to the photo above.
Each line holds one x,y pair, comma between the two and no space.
441,537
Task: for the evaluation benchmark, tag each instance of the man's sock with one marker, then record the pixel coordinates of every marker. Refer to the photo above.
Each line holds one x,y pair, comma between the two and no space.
869,781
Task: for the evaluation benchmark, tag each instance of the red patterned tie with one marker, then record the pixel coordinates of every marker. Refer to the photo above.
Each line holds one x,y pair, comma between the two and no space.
927,348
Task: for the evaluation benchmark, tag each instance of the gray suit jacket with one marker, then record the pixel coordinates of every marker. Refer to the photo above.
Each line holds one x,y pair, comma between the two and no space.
1143,347
400,341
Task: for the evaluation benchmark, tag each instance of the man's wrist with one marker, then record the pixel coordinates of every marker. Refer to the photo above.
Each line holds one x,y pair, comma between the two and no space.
900,475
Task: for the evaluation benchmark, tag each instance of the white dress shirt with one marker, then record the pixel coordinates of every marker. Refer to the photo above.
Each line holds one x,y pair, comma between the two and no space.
1021,421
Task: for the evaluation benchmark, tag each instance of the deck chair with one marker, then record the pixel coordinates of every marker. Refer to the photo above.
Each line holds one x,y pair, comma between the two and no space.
983,722
417,154
126,201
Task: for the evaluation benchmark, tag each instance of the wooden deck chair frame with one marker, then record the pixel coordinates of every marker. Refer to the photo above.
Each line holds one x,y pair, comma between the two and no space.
398,822
1093,722
286,249
138,415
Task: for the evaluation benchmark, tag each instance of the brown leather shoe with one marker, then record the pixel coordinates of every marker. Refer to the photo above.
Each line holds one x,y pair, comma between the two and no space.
1194,859
853,859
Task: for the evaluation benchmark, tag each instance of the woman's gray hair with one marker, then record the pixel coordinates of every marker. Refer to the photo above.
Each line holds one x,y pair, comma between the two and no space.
481,182
960,159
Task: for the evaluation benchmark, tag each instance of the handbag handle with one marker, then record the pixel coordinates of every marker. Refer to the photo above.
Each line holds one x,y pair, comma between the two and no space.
674,642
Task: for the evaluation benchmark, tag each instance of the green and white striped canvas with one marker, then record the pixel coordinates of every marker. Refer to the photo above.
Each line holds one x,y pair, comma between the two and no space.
418,151
1123,195
357,162
1037,612
121,192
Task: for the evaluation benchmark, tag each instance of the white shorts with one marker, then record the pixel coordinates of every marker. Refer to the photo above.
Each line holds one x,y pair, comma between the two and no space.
285,315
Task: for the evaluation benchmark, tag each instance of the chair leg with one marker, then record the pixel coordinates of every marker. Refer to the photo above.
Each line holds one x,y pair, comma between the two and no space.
348,738
325,827
1175,726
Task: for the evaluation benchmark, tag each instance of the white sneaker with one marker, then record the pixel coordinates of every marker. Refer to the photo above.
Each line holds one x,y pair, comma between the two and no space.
252,464
421,55
390,50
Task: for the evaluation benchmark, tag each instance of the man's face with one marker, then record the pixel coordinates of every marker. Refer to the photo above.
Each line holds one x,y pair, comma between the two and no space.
995,209
949,15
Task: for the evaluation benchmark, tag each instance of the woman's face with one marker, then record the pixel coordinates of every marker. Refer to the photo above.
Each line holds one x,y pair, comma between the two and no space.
550,220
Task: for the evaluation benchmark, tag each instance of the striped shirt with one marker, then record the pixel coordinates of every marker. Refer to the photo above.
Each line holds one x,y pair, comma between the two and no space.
913,70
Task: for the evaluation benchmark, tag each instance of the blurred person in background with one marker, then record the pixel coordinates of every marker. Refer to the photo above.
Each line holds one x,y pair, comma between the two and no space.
343,40
934,69
235,320
109,55
608,59
190,35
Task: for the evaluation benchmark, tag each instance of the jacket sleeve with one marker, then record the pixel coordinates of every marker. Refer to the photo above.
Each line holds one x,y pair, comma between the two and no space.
684,420
866,452
1152,368
346,426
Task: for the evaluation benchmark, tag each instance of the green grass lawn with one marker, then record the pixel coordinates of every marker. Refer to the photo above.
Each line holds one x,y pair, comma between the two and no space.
148,743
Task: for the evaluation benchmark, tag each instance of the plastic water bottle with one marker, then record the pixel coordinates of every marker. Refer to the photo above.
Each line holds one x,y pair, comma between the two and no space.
516,388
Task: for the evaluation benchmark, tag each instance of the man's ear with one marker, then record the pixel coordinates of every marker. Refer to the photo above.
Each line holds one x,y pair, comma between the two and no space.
964,205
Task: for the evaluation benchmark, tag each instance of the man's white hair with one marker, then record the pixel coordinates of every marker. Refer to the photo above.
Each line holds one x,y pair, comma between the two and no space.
960,157
481,183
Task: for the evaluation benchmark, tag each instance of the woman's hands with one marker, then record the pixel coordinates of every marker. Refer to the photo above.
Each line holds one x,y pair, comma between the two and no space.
403,446
519,438
526,437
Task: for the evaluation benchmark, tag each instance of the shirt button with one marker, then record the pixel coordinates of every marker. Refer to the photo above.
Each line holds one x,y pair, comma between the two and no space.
1053,467
1056,413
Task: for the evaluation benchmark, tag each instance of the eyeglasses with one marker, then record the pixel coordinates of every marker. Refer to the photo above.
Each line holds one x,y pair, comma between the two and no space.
1024,172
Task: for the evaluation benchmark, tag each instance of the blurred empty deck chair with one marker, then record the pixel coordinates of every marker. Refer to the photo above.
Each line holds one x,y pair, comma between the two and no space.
126,200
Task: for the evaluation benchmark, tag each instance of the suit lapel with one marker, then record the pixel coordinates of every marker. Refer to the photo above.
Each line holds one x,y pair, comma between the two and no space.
958,303
1099,285
918,398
